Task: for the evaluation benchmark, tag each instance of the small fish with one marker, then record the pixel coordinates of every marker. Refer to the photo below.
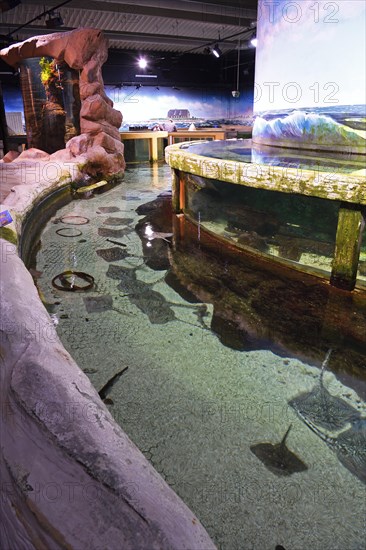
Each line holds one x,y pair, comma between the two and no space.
116,242
108,209
107,388
277,458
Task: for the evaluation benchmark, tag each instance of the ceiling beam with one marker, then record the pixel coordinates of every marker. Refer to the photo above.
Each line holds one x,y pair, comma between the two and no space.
249,4
188,41
224,14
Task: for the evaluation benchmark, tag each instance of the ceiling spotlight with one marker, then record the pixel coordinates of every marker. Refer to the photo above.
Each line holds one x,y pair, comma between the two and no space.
54,20
216,50
254,42
207,51
142,63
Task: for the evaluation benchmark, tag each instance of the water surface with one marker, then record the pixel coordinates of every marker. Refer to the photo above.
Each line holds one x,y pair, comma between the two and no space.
216,348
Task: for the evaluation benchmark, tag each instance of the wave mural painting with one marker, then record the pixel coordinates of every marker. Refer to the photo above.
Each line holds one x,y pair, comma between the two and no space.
148,104
310,75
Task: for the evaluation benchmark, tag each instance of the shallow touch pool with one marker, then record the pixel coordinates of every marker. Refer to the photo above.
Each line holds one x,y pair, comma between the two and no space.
202,384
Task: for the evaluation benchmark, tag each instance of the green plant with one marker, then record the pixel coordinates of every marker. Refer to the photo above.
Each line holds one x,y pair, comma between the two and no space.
47,70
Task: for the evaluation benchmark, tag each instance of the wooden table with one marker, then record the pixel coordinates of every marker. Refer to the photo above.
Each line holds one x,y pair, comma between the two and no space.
209,133
186,135
152,138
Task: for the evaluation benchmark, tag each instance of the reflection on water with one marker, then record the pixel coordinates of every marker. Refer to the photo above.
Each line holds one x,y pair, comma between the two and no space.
245,151
224,352
259,306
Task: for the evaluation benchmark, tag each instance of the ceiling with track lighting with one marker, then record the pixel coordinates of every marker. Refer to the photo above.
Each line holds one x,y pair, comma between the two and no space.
177,26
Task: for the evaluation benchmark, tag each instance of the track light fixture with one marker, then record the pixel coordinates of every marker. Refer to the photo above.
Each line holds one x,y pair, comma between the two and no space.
54,20
216,50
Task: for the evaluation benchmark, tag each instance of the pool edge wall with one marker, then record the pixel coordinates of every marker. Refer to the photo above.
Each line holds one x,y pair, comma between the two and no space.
71,477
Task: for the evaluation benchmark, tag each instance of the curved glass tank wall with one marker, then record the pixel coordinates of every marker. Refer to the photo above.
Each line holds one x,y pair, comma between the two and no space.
300,209
51,103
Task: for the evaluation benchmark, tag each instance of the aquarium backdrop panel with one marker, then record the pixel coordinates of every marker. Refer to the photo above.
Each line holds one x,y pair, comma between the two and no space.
14,109
142,107
310,75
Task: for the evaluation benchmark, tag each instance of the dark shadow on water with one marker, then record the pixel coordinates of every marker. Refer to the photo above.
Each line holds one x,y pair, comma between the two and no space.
258,304
278,458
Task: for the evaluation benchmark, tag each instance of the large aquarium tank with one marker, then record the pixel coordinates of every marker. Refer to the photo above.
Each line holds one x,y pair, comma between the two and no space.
50,91
310,75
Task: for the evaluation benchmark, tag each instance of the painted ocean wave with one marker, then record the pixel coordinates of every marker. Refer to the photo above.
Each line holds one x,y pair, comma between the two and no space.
308,128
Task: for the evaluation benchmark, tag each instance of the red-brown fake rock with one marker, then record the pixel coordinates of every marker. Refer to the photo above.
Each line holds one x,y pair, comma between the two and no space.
85,50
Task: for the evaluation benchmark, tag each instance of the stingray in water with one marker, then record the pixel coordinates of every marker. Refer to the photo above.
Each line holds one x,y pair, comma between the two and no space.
98,304
277,458
159,235
112,254
117,221
126,277
148,301
115,233
323,408
143,296
149,234
349,445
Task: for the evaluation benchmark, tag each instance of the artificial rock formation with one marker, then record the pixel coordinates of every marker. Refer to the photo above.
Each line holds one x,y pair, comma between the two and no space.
98,149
